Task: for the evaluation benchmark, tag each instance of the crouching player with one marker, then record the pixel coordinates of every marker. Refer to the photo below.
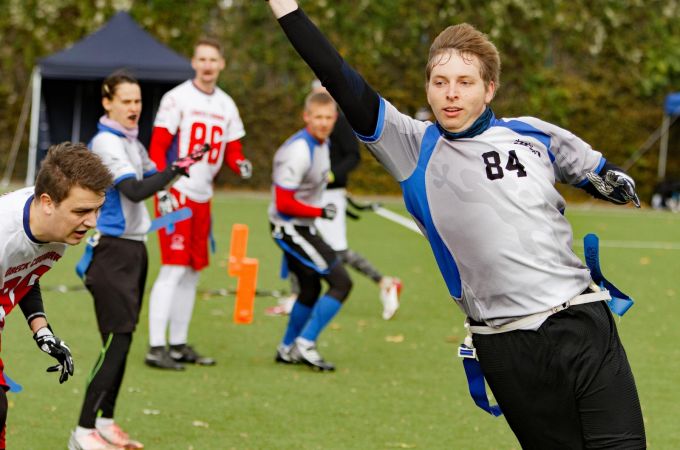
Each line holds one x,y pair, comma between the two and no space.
299,177
36,223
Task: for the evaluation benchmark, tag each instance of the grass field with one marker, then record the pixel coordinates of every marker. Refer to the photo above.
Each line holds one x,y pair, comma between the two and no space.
398,385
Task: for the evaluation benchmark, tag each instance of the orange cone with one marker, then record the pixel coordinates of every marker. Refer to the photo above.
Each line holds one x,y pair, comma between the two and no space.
245,269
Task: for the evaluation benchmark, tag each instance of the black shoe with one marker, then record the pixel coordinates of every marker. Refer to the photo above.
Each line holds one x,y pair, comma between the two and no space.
159,358
184,353
308,354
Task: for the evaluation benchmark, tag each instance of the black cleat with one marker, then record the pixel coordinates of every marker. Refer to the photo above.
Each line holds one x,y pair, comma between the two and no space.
308,354
159,358
185,353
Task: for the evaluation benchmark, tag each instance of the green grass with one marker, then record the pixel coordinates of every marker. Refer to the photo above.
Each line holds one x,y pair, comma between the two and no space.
398,384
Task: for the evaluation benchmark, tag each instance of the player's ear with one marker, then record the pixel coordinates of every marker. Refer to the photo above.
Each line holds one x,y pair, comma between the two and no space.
47,205
106,104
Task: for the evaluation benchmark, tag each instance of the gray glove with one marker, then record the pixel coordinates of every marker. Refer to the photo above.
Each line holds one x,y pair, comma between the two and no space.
329,211
245,168
616,186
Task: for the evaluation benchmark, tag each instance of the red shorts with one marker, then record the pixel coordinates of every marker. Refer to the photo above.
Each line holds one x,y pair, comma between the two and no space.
188,244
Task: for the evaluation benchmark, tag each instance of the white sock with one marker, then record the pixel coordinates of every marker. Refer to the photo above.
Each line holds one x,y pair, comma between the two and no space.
163,295
103,422
80,431
304,342
183,308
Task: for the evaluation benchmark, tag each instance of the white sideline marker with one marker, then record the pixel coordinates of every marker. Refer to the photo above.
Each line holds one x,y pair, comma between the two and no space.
397,218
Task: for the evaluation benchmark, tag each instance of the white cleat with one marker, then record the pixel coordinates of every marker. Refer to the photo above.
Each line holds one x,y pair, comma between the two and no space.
118,438
90,441
390,288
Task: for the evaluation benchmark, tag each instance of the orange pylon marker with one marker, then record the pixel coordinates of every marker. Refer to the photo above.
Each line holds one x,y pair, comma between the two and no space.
245,270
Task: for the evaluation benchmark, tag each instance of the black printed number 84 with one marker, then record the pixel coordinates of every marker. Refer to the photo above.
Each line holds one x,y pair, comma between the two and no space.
494,171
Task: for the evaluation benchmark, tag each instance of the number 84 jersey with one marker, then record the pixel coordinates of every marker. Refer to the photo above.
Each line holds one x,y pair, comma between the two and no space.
489,208
23,259
194,118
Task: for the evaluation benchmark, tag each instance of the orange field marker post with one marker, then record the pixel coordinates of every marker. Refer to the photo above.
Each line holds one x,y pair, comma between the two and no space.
245,270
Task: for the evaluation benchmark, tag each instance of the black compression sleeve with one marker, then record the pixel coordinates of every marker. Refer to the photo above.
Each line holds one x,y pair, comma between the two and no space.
138,190
592,190
356,98
31,304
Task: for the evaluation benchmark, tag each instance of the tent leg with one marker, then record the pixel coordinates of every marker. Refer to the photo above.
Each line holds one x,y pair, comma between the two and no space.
36,81
663,148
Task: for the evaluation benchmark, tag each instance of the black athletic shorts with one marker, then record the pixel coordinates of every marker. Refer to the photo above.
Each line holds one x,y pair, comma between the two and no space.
116,279
567,385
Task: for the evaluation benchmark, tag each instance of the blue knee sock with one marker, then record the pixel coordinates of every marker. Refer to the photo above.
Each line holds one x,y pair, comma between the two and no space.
325,309
297,319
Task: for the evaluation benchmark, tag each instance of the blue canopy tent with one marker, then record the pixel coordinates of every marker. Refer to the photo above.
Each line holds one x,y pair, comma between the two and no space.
66,100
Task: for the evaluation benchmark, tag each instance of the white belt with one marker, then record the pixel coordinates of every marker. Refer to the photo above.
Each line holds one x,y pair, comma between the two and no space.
595,296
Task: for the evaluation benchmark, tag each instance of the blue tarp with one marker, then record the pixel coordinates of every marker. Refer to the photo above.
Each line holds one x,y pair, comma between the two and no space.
119,43
672,104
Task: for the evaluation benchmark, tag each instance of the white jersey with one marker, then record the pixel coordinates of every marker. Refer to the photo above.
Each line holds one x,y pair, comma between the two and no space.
195,118
489,208
301,164
125,158
23,259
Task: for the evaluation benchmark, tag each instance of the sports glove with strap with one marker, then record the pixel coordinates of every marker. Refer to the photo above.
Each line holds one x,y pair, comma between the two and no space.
329,211
58,350
245,168
615,186
182,165
167,202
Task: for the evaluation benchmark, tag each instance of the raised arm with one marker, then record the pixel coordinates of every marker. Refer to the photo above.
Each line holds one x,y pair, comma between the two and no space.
356,98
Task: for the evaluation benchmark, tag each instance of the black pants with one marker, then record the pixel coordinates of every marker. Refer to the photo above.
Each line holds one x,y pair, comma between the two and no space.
567,385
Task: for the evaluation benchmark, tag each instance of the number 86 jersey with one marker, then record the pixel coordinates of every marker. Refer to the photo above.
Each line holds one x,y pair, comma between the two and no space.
23,259
194,118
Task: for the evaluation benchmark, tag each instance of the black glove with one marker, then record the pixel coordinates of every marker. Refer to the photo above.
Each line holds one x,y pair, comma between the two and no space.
182,165
329,211
58,350
615,186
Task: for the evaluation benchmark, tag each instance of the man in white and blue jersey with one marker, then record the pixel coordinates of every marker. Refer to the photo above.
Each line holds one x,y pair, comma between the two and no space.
482,191
300,173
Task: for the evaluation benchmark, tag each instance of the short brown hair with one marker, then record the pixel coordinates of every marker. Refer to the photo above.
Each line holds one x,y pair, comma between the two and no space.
210,42
318,98
467,40
111,82
67,165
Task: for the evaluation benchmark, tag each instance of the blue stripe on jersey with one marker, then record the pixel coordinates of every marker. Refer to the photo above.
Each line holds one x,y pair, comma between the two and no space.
310,140
307,262
27,221
378,126
103,128
150,172
111,220
585,181
525,129
415,196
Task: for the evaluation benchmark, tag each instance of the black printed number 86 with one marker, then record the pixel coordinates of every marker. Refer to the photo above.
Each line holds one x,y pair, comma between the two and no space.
494,171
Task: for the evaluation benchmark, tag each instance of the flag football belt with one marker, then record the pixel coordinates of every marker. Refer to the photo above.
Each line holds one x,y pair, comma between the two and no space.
600,289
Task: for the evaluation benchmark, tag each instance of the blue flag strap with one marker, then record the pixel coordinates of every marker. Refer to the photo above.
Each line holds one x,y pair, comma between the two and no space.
475,376
12,385
620,302
85,260
168,220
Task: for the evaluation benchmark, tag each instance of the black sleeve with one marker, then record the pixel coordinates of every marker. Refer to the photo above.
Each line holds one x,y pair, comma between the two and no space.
138,190
31,304
344,152
590,188
356,98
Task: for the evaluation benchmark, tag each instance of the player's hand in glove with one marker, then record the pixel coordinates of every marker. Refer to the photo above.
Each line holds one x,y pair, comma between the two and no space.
329,211
615,186
167,202
58,350
182,165
245,169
